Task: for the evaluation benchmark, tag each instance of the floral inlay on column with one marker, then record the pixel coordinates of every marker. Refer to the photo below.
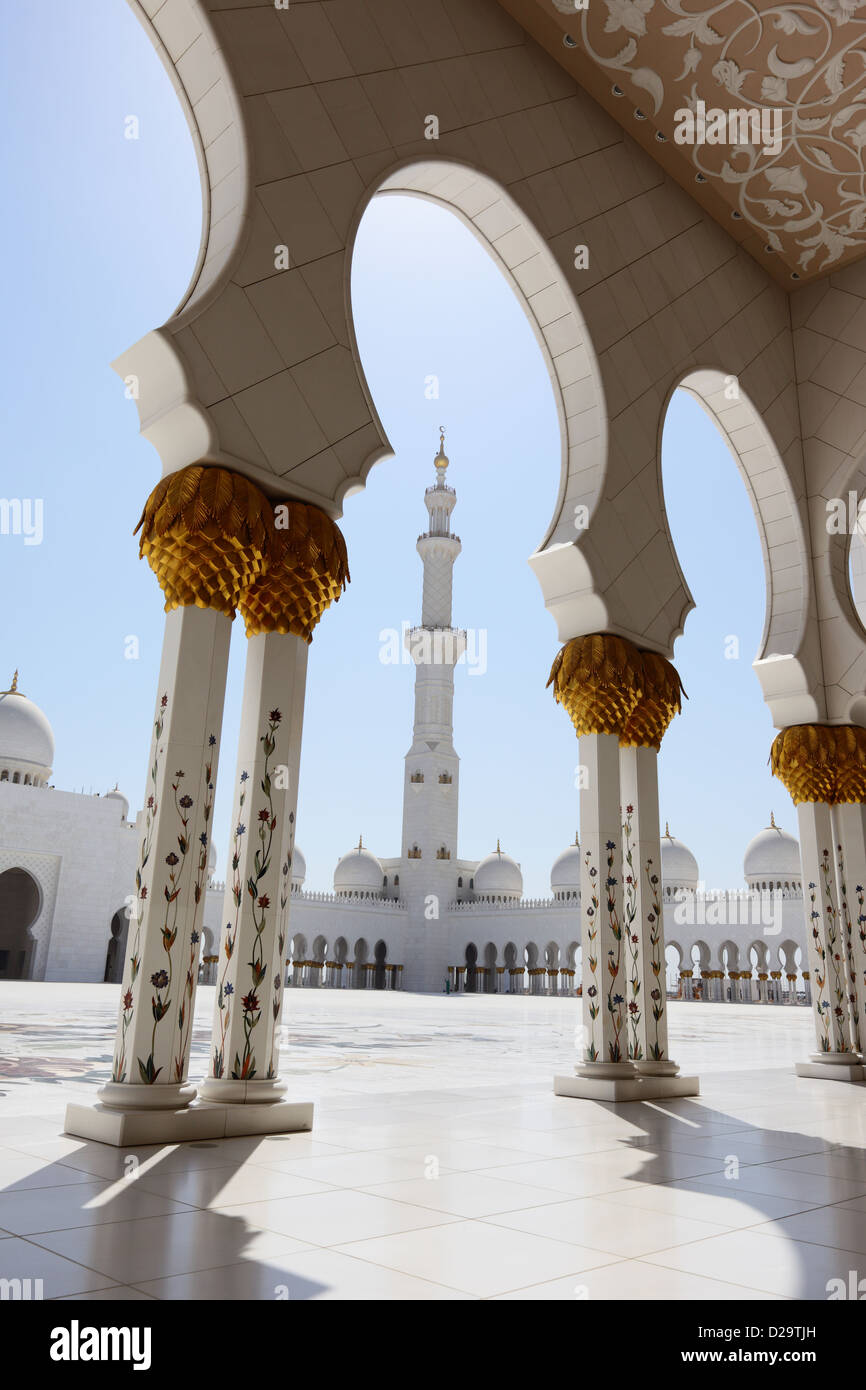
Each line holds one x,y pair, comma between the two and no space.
591,988
835,957
185,1011
226,988
161,979
118,1071
282,929
615,1001
635,1051
658,993
850,960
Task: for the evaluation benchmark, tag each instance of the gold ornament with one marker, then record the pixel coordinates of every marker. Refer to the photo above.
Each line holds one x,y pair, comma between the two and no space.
599,680
662,688
207,533
850,763
803,759
821,762
307,571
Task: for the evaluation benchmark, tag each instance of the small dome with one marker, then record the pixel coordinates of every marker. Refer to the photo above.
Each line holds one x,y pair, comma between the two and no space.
359,871
116,795
679,865
299,867
773,855
565,871
498,876
26,737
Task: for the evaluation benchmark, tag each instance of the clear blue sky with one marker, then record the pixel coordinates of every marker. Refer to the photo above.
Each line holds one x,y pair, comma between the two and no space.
99,241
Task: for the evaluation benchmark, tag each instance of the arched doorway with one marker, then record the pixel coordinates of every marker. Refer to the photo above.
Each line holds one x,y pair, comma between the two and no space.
471,958
20,902
115,955
380,952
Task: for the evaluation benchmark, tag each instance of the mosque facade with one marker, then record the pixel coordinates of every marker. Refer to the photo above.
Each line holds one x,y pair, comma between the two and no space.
423,920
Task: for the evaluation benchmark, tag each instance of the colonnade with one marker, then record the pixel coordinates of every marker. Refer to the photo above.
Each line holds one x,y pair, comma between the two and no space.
337,974
744,986
218,546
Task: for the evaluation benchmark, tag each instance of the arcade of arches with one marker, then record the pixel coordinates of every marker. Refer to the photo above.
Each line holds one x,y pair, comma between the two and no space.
252,424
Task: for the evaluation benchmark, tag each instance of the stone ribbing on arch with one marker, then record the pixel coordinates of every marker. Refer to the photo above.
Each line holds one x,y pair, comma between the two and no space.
260,372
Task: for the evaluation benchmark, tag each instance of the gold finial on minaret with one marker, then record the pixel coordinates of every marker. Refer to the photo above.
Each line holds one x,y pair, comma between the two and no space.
441,460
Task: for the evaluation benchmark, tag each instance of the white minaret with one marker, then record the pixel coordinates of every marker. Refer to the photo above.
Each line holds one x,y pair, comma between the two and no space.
432,766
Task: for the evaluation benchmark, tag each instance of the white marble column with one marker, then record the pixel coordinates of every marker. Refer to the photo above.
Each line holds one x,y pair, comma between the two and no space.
642,888
151,1056
244,1062
850,825
826,947
605,985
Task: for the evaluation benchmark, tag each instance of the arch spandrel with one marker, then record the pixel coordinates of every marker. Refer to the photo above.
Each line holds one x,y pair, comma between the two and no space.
259,369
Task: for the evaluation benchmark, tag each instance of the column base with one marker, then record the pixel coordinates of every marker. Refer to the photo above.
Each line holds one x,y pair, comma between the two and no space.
649,1067
119,1095
832,1066
582,1087
228,1091
201,1120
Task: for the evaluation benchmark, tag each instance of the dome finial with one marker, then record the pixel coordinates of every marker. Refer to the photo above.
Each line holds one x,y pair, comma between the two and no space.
498,848
13,689
576,841
668,835
360,842
441,460
772,825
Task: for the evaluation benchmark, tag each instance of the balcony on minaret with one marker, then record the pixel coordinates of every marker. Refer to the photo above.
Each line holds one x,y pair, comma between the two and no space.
443,853
435,646
445,778
417,777
414,853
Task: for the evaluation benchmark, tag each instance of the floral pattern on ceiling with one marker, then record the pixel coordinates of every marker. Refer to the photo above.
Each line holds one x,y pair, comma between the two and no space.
808,61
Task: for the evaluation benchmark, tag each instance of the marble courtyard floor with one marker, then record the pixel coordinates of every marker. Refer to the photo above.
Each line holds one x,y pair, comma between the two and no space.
440,1166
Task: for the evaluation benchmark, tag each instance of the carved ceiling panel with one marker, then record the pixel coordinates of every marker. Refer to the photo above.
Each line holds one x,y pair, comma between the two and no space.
785,173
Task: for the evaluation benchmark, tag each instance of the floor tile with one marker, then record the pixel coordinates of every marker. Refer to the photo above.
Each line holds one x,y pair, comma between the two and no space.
468,1194
632,1279
336,1216
227,1187
311,1274
21,1259
133,1251
477,1258
788,1267
81,1204
602,1225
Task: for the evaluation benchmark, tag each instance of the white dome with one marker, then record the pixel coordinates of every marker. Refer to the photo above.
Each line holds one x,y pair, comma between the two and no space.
299,866
565,871
498,876
773,855
679,865
359,871
115,795
26,737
